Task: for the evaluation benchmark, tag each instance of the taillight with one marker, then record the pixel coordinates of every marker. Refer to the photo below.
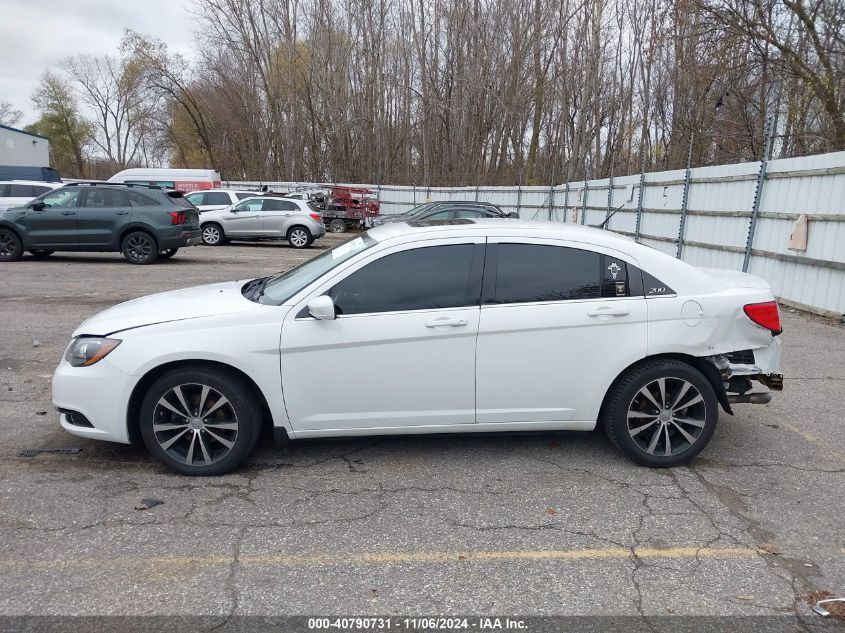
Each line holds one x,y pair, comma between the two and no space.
316,216
765,315
178,217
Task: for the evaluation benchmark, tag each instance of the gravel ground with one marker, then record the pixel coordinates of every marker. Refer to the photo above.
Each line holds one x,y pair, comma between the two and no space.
551,524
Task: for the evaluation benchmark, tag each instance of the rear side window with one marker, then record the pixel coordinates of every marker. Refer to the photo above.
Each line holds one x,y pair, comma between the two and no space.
4,191
196,198
279,205
469,213
39,190
536,272
217,197
140,200
105,198
428,278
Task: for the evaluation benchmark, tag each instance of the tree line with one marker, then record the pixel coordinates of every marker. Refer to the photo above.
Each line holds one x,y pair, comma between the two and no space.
451,92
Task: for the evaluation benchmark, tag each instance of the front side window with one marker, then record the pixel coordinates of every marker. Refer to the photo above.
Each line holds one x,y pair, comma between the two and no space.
536,272
21,191
440,215
428,278
61,198
249,205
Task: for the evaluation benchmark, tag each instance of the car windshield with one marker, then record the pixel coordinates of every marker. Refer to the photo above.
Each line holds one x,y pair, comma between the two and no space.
282,287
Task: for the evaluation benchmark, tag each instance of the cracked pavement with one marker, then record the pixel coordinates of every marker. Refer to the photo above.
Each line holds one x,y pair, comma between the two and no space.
509,524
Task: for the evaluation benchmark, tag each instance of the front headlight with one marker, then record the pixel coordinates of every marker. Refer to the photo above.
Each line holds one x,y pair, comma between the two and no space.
89,350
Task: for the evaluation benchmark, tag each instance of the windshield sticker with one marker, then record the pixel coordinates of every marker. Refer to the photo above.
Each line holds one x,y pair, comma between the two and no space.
349,247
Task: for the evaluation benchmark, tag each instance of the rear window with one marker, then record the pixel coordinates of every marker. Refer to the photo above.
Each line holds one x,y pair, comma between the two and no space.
179,200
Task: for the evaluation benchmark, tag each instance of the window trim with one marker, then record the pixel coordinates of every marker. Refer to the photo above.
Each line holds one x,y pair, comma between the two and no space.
492,263
335,276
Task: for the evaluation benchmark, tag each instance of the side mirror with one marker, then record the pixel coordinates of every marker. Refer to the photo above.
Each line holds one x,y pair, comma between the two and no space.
322,308
38,206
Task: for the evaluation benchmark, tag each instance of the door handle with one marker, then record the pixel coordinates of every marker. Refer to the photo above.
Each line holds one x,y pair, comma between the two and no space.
608,311
446,322
68,212
122,213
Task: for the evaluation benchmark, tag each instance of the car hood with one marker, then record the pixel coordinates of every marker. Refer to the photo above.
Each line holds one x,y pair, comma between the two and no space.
177,305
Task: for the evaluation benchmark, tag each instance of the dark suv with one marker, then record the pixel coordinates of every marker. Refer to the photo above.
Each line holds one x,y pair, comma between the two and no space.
449,210
143,222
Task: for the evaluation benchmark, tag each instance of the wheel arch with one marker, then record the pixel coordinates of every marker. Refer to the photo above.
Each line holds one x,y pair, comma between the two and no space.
131,228
707,369
22,236
133,409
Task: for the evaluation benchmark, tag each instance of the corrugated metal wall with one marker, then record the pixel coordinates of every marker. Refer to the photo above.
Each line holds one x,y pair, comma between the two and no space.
716,218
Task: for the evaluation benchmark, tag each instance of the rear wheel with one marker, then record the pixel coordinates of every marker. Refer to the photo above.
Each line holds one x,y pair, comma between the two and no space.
200,420
337,226
40,253
212,234
168,253
139,247
11,248
661,413
299,237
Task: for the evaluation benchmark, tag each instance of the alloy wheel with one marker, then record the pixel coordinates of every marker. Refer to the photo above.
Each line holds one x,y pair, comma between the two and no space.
139,247
8,245
195,424
299,238
211,235
667,416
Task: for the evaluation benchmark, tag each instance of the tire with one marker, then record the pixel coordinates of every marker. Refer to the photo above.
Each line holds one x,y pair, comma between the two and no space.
139,247
629,415
11,248
337,226
39,253
168,253
299,237
213,235
221,441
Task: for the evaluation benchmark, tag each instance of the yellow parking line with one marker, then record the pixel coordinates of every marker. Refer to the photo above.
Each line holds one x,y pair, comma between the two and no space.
303,560
812,439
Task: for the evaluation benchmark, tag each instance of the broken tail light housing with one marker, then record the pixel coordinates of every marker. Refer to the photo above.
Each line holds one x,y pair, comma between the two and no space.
178,217
765,315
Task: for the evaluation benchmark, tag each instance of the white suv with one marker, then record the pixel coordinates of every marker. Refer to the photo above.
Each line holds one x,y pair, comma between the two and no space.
16,193
214,199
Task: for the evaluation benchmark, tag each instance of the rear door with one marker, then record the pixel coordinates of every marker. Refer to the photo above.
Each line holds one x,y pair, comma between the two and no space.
558,323
54,226
102,212
276,214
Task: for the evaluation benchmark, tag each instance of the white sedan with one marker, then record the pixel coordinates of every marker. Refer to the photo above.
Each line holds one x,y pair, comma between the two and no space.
466,325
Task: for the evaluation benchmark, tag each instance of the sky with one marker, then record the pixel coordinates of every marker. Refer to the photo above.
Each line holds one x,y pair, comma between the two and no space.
37,34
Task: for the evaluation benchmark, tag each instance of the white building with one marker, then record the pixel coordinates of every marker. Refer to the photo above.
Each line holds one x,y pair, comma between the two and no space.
21,148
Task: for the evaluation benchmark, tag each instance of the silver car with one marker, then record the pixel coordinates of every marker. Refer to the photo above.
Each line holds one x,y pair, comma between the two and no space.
264,218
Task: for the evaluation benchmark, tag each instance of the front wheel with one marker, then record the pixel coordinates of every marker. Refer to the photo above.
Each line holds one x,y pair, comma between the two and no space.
168,253
11,247
300,237
40,253
140,248
661,413
212,235
200,420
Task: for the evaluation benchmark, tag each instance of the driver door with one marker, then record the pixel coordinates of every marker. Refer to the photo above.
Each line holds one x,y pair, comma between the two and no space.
54,226
244,220
401,351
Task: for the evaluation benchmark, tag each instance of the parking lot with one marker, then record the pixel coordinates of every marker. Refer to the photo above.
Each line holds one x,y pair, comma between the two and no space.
512,524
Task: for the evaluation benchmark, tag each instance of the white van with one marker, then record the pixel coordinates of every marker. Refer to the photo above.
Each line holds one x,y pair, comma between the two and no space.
181,179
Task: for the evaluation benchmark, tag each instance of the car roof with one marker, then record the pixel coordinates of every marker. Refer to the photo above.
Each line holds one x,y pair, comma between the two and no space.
31,182
127,185
226,190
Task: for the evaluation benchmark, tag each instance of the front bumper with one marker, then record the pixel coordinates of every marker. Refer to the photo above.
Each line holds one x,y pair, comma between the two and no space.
99,393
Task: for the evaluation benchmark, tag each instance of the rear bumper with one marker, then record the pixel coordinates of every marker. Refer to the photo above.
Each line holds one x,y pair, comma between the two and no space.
183,238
